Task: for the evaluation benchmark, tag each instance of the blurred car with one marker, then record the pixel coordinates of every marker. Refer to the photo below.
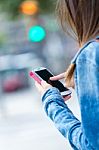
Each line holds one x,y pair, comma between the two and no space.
11,83
14,80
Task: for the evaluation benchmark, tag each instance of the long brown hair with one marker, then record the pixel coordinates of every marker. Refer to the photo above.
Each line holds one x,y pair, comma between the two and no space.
80,18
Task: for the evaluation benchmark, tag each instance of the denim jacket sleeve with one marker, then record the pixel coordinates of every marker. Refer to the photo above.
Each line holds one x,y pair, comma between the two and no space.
63,118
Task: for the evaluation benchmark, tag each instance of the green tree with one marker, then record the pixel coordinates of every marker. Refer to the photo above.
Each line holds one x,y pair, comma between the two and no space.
12,6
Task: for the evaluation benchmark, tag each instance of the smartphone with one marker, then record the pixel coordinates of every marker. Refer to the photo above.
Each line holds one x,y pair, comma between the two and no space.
42,73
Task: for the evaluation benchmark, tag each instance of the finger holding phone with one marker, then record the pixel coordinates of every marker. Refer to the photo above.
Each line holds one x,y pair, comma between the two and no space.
44,80
43,87
59,77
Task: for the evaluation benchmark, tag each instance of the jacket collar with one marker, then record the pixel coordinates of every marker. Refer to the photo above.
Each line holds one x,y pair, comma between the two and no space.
81,49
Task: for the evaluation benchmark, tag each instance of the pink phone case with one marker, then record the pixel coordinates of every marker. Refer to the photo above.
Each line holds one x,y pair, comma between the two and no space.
35,77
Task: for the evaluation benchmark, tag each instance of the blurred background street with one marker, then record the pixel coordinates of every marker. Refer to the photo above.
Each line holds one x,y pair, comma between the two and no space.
24,125
30,37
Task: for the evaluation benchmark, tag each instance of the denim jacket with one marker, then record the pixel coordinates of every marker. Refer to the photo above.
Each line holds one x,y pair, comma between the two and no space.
82,135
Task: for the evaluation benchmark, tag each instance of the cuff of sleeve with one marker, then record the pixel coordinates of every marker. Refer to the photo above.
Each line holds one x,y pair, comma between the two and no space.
52,95
51,91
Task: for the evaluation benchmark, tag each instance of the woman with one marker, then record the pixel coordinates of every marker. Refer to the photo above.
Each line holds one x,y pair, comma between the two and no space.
80,18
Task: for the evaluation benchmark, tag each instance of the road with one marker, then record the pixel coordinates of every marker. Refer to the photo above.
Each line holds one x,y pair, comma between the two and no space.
24,125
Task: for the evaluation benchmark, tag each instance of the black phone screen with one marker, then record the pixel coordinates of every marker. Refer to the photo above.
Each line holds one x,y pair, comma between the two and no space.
45,75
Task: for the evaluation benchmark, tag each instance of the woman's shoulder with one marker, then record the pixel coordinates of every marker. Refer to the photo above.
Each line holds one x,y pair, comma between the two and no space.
89,53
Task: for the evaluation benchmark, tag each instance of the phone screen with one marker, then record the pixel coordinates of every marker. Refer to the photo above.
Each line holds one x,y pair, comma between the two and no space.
45,75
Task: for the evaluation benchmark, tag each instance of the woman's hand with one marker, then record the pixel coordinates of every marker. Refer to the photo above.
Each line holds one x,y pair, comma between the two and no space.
43,87
58,77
